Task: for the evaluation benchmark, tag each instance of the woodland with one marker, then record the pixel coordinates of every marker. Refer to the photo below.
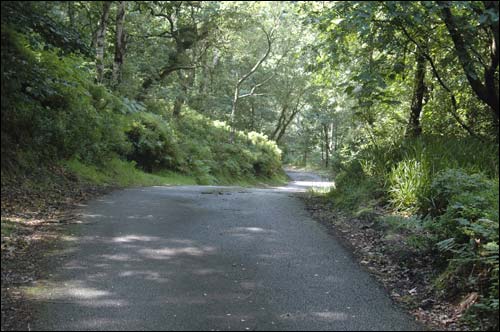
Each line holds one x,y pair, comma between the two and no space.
396,101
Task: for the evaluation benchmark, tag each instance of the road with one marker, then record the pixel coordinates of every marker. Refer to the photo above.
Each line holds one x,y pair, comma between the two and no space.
209,258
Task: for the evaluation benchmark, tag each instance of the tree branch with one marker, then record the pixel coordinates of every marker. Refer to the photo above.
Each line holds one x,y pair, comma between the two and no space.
487,93
453,100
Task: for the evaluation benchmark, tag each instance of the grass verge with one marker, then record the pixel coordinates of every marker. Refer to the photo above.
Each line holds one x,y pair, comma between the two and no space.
116,172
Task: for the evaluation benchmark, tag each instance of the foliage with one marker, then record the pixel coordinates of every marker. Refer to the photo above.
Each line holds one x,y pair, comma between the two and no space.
250,155
468,228
439,179
338,88
153,142
117,172
50,105
407,185
41,29
52,110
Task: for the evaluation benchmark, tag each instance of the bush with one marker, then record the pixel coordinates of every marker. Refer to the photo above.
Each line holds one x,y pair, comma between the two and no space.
250,155
267,159
51,106
404,170
451,184
354,189
194,144
153,142
468,224
52,110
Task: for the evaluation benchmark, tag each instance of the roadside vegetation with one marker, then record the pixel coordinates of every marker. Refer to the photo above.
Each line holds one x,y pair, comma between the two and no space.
54,113
443,197
411,142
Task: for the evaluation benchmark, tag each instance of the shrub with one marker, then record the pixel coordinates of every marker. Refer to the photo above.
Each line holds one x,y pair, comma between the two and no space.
194,144
450,183
52,107
468,228
250,155
153,142
267,159
353,190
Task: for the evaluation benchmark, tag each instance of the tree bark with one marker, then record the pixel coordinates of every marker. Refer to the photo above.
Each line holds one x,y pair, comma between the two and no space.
252,113
454,104
281,121
120,44
414,128
286,124
100,40
180,99
285,121
327,145
486,91
322,153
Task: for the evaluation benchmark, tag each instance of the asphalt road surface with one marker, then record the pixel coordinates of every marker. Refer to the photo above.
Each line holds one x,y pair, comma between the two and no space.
209,258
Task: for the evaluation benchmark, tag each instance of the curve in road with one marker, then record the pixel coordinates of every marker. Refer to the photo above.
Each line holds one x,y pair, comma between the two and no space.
210,258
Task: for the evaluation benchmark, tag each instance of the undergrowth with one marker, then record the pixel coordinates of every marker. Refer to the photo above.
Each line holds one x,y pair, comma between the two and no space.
54,113
444,191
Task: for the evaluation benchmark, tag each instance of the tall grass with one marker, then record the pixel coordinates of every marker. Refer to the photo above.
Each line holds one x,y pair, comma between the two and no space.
406,169
437,152
408,185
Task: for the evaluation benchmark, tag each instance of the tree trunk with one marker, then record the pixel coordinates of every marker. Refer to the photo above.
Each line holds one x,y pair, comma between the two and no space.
180,99
71,13
252,113
414,128
485,91
281,121
322,153
286,124
100,40
176,62
119,44
233,114
327,145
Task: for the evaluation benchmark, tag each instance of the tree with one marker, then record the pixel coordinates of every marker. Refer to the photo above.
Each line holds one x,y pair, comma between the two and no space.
487,88
184,30
414,127
289,110
242,79
120,43
100,40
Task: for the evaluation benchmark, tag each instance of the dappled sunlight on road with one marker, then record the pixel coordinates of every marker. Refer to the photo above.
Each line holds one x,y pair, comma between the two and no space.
169,253
303,182
221,258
